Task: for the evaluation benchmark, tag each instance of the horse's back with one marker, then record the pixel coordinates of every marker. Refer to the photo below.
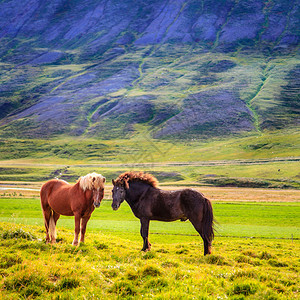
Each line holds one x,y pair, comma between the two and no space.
57,194
192,194
50,186
192,200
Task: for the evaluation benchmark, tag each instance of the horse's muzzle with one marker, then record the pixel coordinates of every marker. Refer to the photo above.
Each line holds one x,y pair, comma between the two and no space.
97,204
115,206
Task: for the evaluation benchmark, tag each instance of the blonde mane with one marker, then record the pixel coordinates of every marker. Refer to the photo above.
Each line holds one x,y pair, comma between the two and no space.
137,176
91,181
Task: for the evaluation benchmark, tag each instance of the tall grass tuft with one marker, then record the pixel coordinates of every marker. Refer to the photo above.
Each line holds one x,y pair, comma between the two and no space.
245,287
123,288
18,234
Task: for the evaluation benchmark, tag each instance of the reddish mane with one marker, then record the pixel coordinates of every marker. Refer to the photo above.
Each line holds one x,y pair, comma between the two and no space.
137,176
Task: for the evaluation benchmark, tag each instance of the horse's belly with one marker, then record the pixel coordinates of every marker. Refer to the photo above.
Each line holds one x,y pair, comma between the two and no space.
167,219
61,207
168,213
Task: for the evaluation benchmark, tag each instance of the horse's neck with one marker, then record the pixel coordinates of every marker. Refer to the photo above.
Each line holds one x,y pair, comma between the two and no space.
136,191
87,193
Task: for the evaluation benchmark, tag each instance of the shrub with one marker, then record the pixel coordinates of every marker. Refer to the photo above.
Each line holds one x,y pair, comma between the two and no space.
237,182
242,259
238,297
265,255
31,291
158,283
100,246
162,251
110,273
18,234
243,274
123,288
170,264
245,288
182,251
68,283
8,261
275,263
27,284
249,253
148,255
216,260
151,271
132,275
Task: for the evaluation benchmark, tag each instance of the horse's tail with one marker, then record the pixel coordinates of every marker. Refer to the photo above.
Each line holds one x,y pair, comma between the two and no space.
49,222
208,221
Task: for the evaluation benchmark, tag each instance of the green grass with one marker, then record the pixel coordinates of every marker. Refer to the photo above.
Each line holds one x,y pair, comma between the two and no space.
265,220
268,145
266,160
255,255
241,173
112,267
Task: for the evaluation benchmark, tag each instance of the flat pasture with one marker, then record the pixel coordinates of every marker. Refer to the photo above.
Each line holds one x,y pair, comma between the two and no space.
111,266
237,219
255,251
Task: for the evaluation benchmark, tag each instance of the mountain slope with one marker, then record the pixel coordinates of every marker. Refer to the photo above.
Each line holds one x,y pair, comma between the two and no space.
111,69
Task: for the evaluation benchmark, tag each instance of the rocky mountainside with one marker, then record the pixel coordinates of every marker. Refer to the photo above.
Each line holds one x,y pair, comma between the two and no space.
177,68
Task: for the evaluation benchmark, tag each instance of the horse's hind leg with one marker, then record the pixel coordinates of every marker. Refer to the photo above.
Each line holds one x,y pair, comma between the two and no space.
52,226
47,215
196,220
207,245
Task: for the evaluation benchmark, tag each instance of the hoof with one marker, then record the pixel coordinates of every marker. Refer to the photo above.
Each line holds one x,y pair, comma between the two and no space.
146,250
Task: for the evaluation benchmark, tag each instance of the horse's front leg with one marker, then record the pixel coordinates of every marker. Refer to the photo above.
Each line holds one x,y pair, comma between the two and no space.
77,229
145,233
83,228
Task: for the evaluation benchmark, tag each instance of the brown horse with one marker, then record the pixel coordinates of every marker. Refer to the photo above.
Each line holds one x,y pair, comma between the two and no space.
61,198
148,202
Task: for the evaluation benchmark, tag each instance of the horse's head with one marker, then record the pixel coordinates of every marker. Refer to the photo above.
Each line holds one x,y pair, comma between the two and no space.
98,195
98,189
95,183
118,193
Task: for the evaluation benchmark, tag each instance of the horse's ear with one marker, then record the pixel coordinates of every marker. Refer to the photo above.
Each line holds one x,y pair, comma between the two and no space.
104,179
113,181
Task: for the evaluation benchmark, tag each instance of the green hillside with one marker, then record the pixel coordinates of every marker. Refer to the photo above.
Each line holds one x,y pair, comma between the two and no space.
170,69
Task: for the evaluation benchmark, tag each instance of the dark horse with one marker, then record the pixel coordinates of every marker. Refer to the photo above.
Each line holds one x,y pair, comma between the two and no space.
148,202
61,198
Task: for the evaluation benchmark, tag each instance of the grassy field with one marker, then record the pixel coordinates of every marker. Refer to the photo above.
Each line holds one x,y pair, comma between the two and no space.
268,160
143,149
238,219
256,247
255,251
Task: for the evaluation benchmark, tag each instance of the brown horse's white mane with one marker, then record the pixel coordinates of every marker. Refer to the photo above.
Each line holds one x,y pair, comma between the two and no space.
91,181
137,176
